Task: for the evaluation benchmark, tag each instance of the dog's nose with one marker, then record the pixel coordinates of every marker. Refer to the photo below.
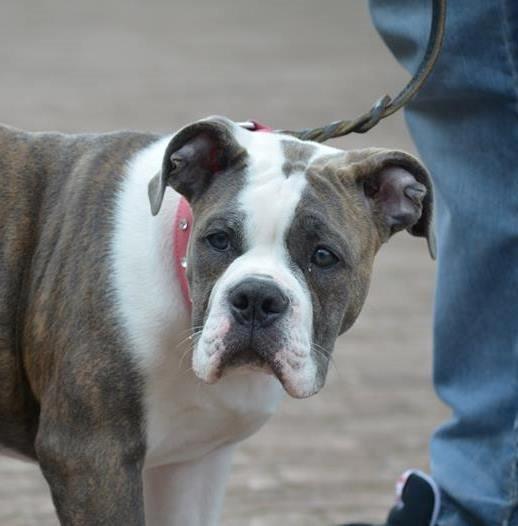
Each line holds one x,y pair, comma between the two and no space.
257,300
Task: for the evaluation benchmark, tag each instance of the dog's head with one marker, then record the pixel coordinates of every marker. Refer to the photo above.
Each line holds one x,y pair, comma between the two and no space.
283,242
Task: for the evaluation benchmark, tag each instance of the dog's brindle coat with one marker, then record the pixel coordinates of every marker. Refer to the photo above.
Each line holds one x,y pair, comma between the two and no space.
88,377
66,389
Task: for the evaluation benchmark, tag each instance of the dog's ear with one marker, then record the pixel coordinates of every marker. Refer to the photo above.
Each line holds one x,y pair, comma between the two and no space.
193,157
398,190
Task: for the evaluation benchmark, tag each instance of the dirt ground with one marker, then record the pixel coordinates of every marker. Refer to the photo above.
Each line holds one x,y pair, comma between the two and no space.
113,64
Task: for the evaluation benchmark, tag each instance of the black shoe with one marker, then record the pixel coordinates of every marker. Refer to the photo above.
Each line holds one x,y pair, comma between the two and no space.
418,502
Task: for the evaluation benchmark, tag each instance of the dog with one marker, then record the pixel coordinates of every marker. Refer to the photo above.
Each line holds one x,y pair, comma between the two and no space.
130,390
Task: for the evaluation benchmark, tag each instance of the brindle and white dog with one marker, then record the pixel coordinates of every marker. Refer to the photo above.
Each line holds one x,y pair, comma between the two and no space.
130,421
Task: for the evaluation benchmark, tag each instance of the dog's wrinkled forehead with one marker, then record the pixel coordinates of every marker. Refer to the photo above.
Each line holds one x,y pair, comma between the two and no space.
274,182
284,153
297,155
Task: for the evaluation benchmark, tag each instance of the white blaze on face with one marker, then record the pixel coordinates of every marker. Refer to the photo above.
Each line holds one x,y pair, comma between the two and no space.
268,200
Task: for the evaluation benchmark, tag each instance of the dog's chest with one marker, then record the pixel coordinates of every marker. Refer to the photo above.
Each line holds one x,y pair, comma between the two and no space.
186,419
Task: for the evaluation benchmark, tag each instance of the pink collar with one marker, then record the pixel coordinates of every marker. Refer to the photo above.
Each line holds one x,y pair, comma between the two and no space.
183,225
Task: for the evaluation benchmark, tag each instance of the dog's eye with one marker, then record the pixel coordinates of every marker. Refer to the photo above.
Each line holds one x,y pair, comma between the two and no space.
323,258
219,240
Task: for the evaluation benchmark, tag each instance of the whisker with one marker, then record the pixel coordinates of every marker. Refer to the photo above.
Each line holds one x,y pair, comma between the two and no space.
190,330
323,353
194,340
191,336
184,354
319,356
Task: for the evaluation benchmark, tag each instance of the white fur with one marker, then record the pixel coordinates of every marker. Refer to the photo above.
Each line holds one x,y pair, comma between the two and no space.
190,493
191,425
269,200
185,419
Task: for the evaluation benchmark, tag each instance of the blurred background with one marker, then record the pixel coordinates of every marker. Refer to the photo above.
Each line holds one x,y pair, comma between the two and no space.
157,65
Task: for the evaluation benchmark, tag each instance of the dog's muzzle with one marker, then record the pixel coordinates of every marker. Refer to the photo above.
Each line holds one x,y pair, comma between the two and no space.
259,323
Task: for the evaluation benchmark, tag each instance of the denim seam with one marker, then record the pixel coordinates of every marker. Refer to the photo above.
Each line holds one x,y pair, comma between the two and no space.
508,45
513,507
513,472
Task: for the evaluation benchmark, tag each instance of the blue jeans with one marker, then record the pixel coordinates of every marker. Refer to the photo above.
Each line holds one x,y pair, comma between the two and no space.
465,126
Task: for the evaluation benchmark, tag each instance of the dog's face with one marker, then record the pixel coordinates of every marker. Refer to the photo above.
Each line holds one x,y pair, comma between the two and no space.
283,242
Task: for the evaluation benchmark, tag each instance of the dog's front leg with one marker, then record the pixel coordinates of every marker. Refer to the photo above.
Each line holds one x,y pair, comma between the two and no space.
190,493
93,467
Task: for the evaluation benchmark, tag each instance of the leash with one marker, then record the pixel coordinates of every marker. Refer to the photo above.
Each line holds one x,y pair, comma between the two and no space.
386,105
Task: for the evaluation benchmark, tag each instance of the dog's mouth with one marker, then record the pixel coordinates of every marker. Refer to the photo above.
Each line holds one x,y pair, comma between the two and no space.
247,359
293,366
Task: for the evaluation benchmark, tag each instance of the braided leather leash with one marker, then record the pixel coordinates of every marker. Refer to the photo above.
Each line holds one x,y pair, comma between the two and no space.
386,106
